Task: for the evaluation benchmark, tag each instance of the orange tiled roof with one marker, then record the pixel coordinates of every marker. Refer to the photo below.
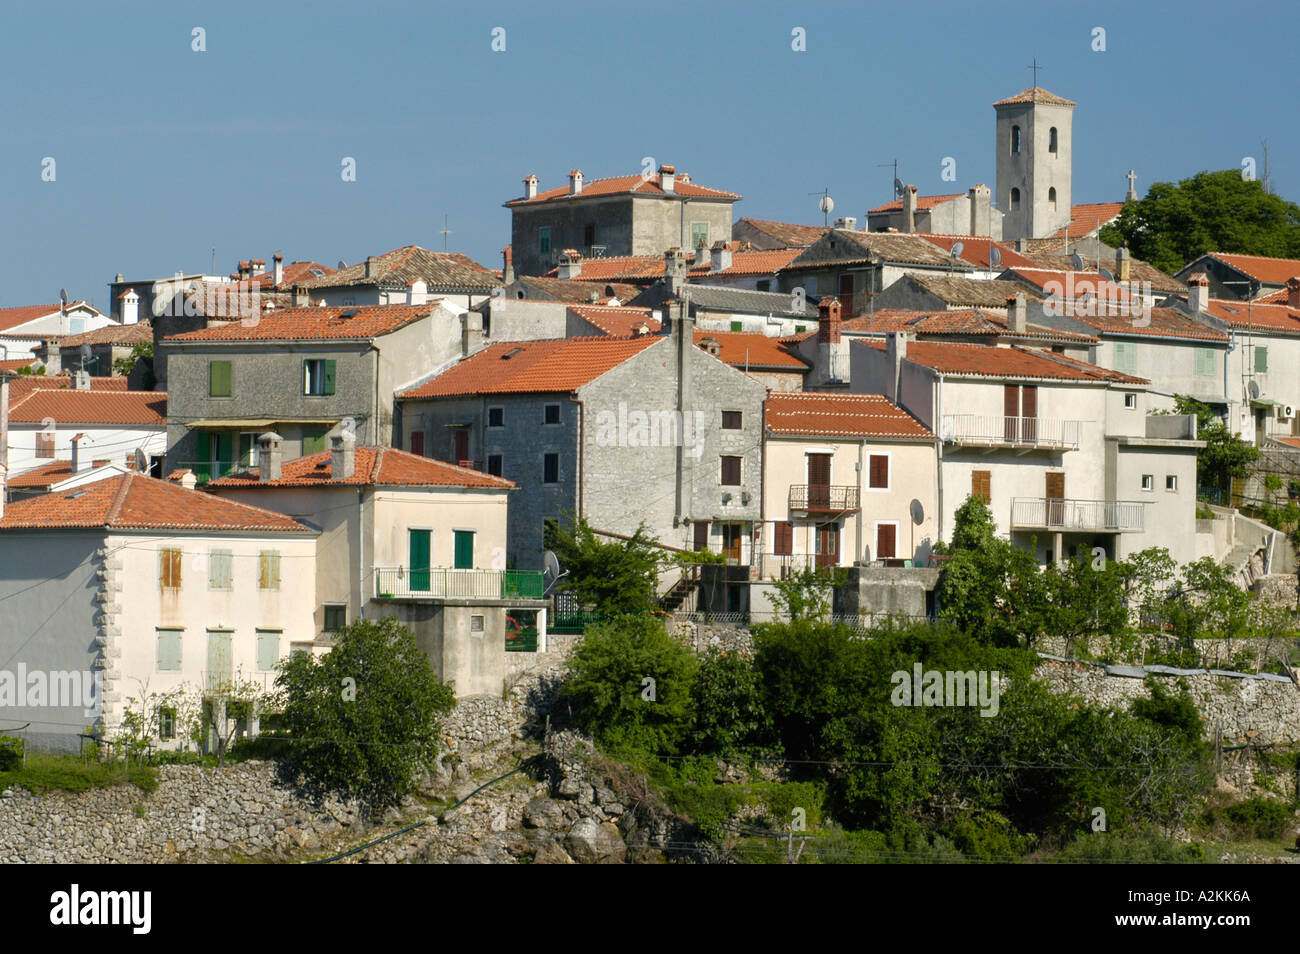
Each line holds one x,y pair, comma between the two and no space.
787,233
23,384
1035,94
20,315
136,502
1087,218
634,268
985,361
840,415
619,185
1065,282
1157,323
404,265
518,367
763,262
16,365
579,289
745,349
977,249
617,321
312,324
1241,314
1292,441
123,335
970,321
1262,268
373,466
923,203
67,406
48,474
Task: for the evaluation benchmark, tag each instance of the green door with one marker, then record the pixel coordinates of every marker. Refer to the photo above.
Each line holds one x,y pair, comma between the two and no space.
464,549
219,661
419,558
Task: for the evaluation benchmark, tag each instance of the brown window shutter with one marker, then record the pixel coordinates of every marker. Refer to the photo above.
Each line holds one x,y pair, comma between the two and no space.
885,541
783,538
878,471
701,534
981,485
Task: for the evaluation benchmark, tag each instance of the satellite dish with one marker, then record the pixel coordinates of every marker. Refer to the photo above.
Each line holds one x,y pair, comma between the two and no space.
141,460
918,512
1254,390
85,353
827,204
1107,276
898,187
63,297
995,257
342,264
1076,261
551,572
956,250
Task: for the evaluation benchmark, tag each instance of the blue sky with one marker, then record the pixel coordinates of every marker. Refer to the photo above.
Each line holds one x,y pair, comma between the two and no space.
163,153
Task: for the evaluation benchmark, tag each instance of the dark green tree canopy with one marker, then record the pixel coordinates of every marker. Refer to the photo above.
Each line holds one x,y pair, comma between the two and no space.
613,576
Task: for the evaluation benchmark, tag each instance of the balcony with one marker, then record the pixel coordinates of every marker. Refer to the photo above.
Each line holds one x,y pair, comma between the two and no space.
818,498
782,566
1063,514
206,470
1022,433
402,583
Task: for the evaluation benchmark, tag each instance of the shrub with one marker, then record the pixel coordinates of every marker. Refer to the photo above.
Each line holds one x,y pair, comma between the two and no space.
730,718
11,753
1253,818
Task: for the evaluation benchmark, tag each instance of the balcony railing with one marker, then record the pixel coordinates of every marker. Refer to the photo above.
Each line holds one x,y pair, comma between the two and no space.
818,498
782,566
399,582
1065,514
1000,430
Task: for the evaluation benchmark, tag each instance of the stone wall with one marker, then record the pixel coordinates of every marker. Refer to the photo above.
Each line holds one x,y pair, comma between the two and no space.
1214,653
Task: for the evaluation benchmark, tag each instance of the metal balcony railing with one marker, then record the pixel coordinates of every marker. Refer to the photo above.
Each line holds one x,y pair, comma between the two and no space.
1066,514
998,429
399,582
819,498
782,566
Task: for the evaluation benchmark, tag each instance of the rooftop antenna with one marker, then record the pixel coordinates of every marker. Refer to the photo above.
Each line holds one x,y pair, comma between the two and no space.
445,232
898,185
1268,180
826,204
214,261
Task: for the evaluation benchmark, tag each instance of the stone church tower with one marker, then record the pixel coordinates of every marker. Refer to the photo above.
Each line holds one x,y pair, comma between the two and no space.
1033,163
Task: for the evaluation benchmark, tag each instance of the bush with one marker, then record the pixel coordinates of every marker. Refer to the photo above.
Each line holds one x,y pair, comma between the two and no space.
730,718
1252,818
11,753
1147,846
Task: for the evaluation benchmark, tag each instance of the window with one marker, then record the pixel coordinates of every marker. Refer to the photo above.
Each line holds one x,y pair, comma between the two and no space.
1130,401
169,568
318,376
1051,198
737,326
1261,359
701,535
76,326
1147,482
464,549
1015,142
699,234
268,649
219,379
551,469
476,625
589,235
1015,200
336,617
731,420
730,472
45,444
1171,482
551,414
878,471
800,329
783,538
1052,142
764,284
1204,362
494,465
1125,356
544,241
417,443
169,650
313,440
166,723
496,417
268,569
981,485
220,569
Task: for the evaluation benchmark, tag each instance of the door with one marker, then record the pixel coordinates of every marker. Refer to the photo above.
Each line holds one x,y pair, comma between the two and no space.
828,544
886,541
846,296
219,660
460,447
1055,498
417,443
701,535
418,562
1029,413
819,481
1010,412
731,533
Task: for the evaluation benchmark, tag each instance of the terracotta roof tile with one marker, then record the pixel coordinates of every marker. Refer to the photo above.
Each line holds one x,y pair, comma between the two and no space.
12,367
970,292
312,324
742,349
579,289
123,335
1262,268
1156,323
854,246
969,321
1035,94
923,203
1088,217
987,361
21,314
373,466
1242,314
787,233
977,250
1067,284
617,321
137,502
441,271
840,415
621,185
67,406
23,384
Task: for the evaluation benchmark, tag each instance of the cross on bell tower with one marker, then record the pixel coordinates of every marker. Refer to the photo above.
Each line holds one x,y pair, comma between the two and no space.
1035,67
1131,195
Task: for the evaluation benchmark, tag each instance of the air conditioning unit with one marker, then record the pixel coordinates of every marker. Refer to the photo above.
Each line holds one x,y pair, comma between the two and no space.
1285,412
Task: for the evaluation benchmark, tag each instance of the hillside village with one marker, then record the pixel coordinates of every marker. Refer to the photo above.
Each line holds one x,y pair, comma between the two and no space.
221,471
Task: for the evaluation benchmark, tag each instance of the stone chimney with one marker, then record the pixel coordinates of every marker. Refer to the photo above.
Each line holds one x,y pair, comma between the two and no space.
508,264
832,351
417,292
80,462
188,480
471,333
277,275
1123,266
570,266
343,456
257,266
130,307
721,258
1017,309
530,187
81,380
828,317
703,257
300,297
895,352
575,182
1293,292
668,179
909,208
674,271
1198,292
372,266
270,455
980,198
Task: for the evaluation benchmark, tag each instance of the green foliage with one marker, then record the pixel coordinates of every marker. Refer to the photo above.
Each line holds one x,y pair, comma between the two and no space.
1211,211
1251,819
619,576
808,593
1146,846
989,836
11,752
730,718
30,370
1084,600
363,720
1206,602
1175,712
608,690
1225,455
68,773
124,366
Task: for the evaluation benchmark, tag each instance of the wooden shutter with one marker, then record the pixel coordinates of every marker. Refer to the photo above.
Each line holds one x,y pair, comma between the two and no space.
731,471
1029,412
885,541
169,650
268,569
701,534
45,444
219,569
417,442
219,379
981,485
460,448
268,650
783,538
1010,412
464,550
169,568
878,471
327,375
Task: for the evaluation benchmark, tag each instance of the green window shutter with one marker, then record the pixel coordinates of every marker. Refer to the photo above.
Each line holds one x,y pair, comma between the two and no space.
1261,358
419,558
219,379
219,569
268,650
169,650
202,466
737,326
328,377
464,549
1204,362
1125,357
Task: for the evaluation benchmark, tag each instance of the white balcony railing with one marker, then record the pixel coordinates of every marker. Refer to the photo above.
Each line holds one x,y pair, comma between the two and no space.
1066,514
1000,430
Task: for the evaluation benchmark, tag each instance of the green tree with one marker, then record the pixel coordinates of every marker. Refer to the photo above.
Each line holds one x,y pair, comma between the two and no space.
1210,212
1225,455
730,718
1085,600
1207,601
618,576
363,720
808,593
124,366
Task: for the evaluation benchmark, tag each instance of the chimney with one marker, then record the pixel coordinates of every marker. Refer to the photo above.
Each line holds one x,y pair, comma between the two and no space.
721,257
417,292
909,208
278,265
1293,292
79,460
980,198
895,352
1123,266
1017,309
703,257
270,455
530,187
1022,244
674,271
1198,292
300,297
371,267
130,307
81,380
343,456
847,222
508,264
828,317
257,266
575,182
570,266
188,480
471,333
668,179
244,268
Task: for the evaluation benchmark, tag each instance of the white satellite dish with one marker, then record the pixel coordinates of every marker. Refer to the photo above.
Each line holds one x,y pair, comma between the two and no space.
995,257
827,204
918,512
141,460
956,249
1254,390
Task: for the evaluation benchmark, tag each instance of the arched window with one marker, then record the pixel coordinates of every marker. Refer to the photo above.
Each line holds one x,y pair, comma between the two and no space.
1015,140
1015,200
1051,198
1051,140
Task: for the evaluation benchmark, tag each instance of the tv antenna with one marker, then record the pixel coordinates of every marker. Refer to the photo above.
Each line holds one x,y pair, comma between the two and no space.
826,204
445,231
898,184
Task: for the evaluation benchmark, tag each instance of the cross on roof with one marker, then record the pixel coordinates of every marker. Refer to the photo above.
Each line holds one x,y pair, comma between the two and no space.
1035,67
